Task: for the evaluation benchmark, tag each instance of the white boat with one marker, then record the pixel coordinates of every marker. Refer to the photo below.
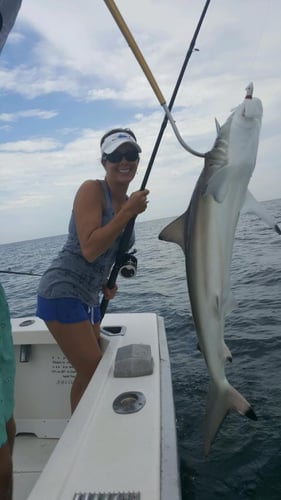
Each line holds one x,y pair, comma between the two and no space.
120,443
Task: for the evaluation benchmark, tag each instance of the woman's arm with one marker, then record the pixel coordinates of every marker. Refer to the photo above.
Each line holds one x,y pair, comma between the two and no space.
88,207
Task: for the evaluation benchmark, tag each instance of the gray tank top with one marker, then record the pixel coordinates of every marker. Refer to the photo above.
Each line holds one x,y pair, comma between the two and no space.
70,275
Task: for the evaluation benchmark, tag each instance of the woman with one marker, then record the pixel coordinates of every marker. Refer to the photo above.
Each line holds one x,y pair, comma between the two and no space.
68,294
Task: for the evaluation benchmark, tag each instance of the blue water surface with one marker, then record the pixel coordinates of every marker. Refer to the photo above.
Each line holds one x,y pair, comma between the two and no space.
245,460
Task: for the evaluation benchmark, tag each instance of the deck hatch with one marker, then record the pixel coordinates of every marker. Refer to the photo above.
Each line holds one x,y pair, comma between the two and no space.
108,496
133,360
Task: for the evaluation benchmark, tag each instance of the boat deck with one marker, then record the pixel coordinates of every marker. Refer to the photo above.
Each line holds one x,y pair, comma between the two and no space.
103,447
30,457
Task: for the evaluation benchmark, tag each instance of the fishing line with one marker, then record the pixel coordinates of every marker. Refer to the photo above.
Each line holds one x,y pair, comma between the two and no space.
143,64
18,272
125,238
256,54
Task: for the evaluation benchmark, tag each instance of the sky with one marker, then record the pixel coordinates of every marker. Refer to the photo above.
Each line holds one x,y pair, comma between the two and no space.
67,76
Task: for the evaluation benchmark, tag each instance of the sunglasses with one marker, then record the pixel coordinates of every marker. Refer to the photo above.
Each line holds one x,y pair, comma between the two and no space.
116,156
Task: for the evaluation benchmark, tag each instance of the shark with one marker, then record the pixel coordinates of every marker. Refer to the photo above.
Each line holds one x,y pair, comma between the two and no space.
206,233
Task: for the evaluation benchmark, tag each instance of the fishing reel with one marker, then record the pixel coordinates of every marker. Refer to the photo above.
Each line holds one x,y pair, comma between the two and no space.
129,265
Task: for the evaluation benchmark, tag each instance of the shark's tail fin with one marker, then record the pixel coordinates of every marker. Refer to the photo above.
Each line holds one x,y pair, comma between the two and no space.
220,401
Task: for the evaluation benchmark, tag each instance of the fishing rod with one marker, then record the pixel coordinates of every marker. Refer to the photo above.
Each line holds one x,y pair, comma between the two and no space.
18,272
125,238
143,64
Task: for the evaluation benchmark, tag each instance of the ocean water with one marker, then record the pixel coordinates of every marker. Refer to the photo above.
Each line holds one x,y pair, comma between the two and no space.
245,460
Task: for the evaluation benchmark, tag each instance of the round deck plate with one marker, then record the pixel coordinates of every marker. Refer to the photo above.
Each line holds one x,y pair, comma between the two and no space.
129,402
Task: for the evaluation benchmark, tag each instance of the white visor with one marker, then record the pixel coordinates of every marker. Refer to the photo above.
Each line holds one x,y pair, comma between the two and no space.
113,142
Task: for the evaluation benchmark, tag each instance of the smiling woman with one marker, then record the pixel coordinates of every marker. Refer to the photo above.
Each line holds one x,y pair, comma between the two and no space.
120,155
68,295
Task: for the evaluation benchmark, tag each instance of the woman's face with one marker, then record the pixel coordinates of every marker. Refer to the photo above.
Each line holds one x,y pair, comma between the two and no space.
122,164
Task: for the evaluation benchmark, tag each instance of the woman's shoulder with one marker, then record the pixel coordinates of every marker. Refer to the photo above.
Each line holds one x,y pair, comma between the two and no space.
90,186
90,183
89,192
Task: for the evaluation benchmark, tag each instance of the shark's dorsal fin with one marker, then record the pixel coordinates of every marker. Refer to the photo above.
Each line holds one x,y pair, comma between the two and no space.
218,127
174,232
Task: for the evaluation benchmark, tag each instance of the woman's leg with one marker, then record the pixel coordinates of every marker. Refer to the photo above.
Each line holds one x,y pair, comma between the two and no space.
6,472
96,330
11,432
79,344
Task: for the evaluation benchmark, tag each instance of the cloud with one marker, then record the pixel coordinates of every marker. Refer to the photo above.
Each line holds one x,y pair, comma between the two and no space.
30,113
71,62
15,38
33,81
31,145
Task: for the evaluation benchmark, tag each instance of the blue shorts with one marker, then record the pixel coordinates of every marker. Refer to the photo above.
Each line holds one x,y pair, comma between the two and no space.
7,368
67,310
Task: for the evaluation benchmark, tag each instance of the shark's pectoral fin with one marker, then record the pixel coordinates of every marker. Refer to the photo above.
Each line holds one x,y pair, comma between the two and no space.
217,185
254,206
174,232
